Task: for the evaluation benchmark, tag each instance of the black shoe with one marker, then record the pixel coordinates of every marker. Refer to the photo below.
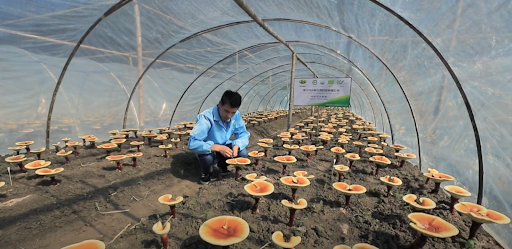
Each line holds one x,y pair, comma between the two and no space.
205,178
224,172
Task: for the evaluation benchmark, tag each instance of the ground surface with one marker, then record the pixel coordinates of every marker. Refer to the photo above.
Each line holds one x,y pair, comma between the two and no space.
56,216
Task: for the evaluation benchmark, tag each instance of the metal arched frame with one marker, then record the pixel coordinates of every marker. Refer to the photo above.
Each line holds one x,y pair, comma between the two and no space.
324,47
111,10
461,92
262,80
469,109
275,19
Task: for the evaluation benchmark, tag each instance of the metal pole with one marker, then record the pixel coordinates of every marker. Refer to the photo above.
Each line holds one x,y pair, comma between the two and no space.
139,62
290,102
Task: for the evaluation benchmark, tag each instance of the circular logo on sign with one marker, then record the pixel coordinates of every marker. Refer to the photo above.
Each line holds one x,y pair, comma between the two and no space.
314,82
322,82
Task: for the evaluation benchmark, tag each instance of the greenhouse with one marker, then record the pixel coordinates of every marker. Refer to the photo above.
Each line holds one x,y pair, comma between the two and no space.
431,76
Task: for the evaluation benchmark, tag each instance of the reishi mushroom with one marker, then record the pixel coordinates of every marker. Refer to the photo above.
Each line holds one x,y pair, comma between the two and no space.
338,151
456,193
390,182
308,149
224,231
256,156
429,226
38,152
162,231
340,169
167,200
278,239
73,145
380,162
285,160
87,244
50,172
351,158
64,154
137,144
252,177
293,207
422,203
19,160
404,157
438,178
237,163
166,149
117,159
295,183
134,156
348,190
266,148
479,215
257,189
302,173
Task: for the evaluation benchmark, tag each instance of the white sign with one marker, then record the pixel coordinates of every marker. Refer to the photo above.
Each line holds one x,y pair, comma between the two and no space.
322,92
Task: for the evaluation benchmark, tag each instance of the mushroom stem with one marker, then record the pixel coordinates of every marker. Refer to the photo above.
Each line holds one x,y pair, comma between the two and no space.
149,141
38,156
308,157
436,188
134,160
340,175
75,151
427,180
165,241
166,154
257,162
360,151
135,133
237,173
254,209
402,162
347,201
225,247
108,153
283,172
267,154
294,191
316,152
377,171
292,217
324,143
138,148
119,166
289,152
337,158
419,242
67,159
54,181
83,139
28,149
474,228
350,162
359,137
57,149
22,168
173,211
453,201
389,187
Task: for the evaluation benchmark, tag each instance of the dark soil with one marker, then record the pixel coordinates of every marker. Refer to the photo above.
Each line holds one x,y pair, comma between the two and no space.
56,216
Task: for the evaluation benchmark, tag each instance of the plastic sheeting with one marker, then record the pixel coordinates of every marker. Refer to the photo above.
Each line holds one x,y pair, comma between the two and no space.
197,49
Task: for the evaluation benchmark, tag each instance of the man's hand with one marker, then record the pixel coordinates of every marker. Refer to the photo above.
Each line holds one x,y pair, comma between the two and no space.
223,150
235,150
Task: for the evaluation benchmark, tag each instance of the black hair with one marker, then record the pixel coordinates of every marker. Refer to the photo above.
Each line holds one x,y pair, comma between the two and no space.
233,99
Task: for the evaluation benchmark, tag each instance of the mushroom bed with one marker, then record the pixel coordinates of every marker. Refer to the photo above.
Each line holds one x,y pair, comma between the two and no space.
36,214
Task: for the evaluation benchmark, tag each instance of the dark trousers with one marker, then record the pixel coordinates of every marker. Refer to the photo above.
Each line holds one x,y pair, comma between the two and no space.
206,161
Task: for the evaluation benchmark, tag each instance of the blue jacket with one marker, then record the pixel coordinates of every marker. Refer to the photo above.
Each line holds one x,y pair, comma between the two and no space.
209,130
